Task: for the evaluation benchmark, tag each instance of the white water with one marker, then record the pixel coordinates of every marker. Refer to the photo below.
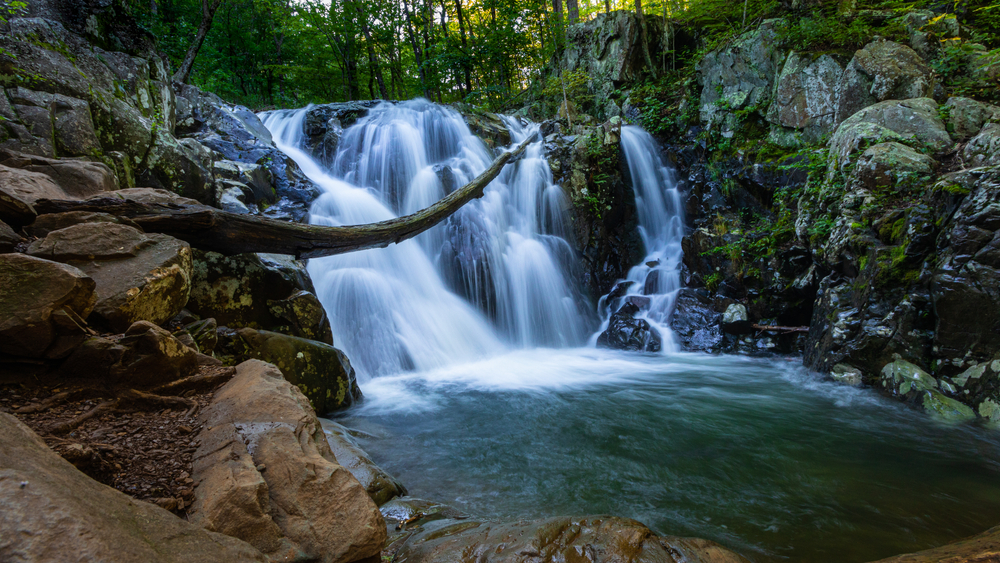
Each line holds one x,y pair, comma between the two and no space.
661,224
496,275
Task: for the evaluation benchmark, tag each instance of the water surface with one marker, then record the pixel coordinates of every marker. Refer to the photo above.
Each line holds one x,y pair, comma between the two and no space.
759,455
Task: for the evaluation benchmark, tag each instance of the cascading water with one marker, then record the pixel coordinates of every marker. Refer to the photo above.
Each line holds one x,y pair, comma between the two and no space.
395,309
654,283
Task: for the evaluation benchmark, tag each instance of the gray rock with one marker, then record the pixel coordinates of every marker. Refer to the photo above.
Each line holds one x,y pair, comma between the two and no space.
967,116
890,165
984,148
182,166
915,122
76,179
43,305
882,70
806,94
625,332
53,511
847,375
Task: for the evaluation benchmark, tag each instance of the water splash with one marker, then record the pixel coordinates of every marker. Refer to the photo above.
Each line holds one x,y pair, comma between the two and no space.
655,281
496,274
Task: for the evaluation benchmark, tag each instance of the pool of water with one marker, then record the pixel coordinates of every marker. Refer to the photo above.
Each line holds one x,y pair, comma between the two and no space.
759,455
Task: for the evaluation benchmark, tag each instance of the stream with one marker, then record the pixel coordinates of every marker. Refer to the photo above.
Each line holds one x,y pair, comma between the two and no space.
471,347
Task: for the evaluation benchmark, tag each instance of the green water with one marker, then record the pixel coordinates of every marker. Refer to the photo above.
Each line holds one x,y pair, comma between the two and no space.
758,455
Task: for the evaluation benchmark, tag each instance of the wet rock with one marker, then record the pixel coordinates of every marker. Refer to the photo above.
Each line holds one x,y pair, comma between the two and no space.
735,320
695,323
262,291
945,408
381,486
304,505
806,95
322,372
43,305
882,70
977,549
140,277
598,538
52,510
847,375
906,380
625,332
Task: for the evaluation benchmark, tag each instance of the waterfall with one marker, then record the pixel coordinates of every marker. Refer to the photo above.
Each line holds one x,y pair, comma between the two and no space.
495,275
656,281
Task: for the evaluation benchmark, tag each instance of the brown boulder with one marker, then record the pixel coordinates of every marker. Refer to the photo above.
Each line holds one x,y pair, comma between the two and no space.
47,223
8,238
14,210
49,511
77,179
984,548
591,539
90,241
264,473
42,306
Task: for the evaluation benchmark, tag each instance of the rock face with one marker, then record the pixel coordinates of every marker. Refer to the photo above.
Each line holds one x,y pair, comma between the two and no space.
43,305
625,332
882,70
325,123
265,474
806,94
597,539
50,511
322,372
381,486
139,276
739,76
261,291
977,549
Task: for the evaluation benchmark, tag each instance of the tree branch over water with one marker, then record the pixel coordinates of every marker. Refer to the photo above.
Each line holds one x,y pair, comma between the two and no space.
212,229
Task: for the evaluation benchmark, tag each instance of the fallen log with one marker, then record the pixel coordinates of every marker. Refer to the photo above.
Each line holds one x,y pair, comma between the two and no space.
212,229
785,329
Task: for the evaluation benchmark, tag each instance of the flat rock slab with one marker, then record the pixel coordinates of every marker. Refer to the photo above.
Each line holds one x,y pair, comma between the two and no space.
265,473
589,539
50,511
42,306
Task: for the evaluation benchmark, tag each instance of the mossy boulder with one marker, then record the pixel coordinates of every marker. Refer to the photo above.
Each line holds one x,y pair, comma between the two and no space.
322,372
906,380
945,408
882,70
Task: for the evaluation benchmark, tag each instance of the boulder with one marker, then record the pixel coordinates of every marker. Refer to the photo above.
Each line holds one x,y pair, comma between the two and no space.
43,305
28,187
914,122
735,319
264,473
381,486
151,196
984,148
945,408
153,357
905,380
966,116
77,179
140,277
882,70
891,165
49,222
977,549
589,538
52,512
322,372
324,124
262,291
8,238
806,94
847,375
625,332
14,210
695,323
65,119
182,166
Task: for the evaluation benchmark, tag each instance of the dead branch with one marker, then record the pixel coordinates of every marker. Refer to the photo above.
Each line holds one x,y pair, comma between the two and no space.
781,329
209,228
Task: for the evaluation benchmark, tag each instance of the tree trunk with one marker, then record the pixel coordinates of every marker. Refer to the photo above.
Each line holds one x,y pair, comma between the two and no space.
212,229
644,38
417,53
574,11
557,22
372,59
208,8
607,6
465,46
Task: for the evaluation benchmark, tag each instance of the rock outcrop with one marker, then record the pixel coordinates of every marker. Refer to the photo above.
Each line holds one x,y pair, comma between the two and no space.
265,474
51,512
381,486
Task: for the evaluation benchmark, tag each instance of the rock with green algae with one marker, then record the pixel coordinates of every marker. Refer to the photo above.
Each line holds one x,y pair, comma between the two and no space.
805,95
322,372
903,379
261,291
882,70
888,165
53,512
967,116
945,408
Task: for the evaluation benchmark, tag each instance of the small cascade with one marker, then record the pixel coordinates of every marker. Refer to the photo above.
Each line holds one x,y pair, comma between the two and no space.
494,275
653,284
